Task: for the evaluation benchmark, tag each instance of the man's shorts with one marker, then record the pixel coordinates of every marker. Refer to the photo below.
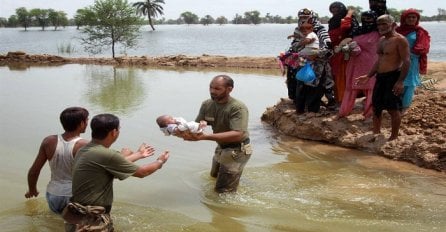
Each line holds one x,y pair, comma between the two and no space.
383,97
57,203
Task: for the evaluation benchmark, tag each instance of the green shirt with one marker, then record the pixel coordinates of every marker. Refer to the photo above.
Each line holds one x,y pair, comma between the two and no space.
230,116
94,169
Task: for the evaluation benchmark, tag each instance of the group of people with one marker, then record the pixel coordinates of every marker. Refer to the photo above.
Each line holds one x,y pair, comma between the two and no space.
376,59
82,171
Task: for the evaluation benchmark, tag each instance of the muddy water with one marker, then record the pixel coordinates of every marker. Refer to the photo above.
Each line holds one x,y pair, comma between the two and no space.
288,185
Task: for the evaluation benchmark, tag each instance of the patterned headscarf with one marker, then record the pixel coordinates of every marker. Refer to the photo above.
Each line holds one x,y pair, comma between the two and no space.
306,15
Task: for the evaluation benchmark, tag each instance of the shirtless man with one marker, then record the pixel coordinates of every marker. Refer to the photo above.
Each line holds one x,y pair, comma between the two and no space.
391,68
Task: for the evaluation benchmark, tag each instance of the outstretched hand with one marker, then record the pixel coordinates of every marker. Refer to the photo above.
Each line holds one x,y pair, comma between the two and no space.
164,156
146,150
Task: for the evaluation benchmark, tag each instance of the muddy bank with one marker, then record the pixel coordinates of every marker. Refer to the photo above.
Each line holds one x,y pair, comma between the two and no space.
204,61
422,138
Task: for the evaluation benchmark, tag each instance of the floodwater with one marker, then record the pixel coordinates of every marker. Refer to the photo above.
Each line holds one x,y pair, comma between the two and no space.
288,185
227,40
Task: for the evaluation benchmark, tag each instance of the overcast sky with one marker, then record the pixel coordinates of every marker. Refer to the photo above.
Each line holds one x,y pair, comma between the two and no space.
227,8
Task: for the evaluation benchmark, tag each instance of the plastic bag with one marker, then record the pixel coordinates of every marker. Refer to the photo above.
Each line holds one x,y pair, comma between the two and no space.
306,73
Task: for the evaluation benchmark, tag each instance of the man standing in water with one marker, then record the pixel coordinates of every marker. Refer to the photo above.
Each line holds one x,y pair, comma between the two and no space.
94,170
391,69
229,120
59,151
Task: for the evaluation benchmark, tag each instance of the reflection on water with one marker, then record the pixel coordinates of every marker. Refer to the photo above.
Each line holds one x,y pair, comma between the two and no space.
114,90
288,185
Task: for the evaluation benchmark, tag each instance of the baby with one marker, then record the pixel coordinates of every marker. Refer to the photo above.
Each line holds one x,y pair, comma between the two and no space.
170,125
308,40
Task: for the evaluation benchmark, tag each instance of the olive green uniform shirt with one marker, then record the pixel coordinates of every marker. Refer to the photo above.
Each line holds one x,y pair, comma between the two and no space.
95,167
229,116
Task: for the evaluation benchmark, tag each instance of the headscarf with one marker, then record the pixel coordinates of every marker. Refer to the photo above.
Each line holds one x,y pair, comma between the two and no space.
335,20
379,9
308,15
405,29
367,27
422,43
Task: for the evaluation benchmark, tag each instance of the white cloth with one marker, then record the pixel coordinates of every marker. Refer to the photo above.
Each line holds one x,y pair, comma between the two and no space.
312,48
61,166
182,125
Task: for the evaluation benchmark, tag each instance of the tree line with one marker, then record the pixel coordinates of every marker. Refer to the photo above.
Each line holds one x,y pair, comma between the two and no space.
153,9
107,23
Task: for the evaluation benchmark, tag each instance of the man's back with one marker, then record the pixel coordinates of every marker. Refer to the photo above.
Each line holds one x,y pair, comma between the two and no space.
94,169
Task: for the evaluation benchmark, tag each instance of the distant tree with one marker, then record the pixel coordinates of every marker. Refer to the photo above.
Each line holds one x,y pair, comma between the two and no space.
24,17
221,20
288,20
189,17
112,22
3,22
238,19
357,9
441,14
13,21
396,14
151,8
206,20
252,17
40,16
83,16
57,18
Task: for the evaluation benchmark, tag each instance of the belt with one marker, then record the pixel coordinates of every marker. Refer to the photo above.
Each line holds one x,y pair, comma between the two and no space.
234,145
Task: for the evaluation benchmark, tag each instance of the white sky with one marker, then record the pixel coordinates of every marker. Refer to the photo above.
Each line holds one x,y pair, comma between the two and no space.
227,8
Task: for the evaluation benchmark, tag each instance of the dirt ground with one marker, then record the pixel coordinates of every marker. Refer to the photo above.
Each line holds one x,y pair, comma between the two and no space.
422,139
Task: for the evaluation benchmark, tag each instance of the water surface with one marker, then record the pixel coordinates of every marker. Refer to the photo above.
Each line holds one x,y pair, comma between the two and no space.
288,185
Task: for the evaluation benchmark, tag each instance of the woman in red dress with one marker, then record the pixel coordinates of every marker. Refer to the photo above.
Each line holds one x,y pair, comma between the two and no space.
340,26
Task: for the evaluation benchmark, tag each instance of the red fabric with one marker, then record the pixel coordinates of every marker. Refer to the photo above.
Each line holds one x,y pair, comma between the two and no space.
422,44
337,61
340,33
360,63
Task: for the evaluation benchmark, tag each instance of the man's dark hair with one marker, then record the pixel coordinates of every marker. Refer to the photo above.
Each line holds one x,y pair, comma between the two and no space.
71,118
228,80
102,124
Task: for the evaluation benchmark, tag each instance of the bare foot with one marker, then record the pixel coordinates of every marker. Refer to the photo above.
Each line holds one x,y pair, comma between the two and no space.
392,138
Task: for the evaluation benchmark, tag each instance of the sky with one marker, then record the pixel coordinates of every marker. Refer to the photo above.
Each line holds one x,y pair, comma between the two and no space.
227,8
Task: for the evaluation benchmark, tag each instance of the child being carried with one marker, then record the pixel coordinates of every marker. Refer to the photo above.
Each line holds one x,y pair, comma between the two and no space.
171,125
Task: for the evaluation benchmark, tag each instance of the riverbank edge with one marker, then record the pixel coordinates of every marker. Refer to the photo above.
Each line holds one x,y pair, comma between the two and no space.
423,131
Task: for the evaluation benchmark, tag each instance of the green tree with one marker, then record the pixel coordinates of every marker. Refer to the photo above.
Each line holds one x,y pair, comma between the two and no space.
206,20
113,22
221,20
3,22
238,19
151,8
41,16
83,16
13,21
57,18
24,17
253,17
189,17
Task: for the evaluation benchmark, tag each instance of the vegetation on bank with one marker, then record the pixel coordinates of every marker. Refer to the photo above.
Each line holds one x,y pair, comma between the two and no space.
153,9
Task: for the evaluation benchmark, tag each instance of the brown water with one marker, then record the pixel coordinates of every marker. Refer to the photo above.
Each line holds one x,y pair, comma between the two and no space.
288,185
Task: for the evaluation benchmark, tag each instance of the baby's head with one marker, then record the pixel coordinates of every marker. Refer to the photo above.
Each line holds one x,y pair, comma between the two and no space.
306,28
165,120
